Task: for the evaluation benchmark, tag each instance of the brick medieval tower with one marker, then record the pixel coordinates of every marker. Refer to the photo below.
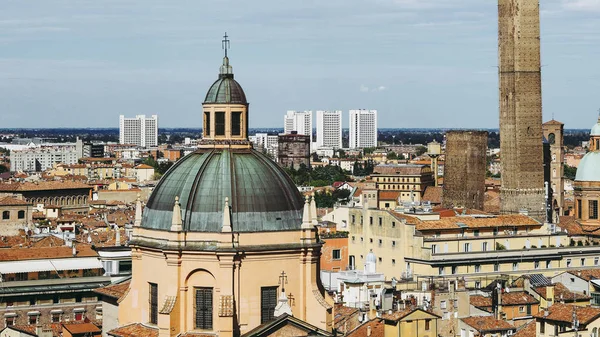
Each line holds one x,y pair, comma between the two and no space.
520,108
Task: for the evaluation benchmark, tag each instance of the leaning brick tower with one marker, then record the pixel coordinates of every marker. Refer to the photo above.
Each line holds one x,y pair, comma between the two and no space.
520,108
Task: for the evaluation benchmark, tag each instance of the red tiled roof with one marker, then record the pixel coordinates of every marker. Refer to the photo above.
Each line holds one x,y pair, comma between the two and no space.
586,274
134,330
389,195
564,313
553,122
10,201
79,328
562,292
20,254
377,327
144,166
115,291
487,323
511,220
518,298
433,194
42,186
480,301
527,330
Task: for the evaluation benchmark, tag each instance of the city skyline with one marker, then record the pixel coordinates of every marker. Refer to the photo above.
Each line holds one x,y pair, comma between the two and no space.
425,64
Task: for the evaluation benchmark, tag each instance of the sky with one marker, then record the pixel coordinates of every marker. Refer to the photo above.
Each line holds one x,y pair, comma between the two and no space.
420,63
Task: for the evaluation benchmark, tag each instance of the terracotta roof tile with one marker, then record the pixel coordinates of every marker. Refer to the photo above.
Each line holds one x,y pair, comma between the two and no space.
398,169
480,301
10,201
80,328
526,330
518,298
562,293
389,195
377,327
586,274
42,186
564,313
433,194
20,254
487,323
500,221
134,330
115,291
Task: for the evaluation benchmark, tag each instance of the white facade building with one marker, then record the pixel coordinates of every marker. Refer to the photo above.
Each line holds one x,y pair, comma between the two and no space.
266,142
299,121
37,159
363,128
140,130
329,129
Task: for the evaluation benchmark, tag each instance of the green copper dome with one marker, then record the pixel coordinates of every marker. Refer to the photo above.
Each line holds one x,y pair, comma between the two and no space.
261,195
225,90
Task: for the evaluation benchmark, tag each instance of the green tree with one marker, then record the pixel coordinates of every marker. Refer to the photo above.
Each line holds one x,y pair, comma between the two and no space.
392,155
570,172
420,150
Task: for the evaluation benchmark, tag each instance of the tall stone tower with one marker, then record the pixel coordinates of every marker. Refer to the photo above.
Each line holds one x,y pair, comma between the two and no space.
520,108
553,132
464,171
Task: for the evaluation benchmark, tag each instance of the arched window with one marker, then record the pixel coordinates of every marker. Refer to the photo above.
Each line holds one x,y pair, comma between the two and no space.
551,138
21,215
5,215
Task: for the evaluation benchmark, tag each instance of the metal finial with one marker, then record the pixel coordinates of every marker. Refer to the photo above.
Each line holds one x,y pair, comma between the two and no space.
225,43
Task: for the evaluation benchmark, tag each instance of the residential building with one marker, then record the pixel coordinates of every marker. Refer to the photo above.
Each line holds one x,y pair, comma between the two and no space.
38,159
266,143
329,129
409,179
110,296
15,215
513,305
299,121
411,322
559,319
49,285
363,128
141,130
71,195
465,244
485,326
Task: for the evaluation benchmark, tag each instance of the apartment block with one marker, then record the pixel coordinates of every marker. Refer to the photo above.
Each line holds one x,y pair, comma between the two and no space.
140,131
329,129
363,128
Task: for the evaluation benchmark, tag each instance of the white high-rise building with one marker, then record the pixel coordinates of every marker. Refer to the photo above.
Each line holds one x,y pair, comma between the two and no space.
363,128
140,130
329,129
299,121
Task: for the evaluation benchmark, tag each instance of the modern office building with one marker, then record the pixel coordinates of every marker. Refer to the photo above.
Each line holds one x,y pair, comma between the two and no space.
363,128
329,129
140,131
299,121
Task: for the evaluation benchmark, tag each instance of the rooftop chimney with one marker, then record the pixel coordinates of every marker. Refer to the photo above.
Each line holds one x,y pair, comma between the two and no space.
369,331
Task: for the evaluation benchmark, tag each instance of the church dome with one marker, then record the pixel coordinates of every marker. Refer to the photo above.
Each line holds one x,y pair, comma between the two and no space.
225,90
589,167
262,197
595,130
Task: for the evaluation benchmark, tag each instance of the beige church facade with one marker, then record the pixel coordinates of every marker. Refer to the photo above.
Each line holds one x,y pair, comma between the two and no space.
226,242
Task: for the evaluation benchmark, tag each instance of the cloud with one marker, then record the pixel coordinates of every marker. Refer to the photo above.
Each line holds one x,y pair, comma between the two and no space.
581,5
364,88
